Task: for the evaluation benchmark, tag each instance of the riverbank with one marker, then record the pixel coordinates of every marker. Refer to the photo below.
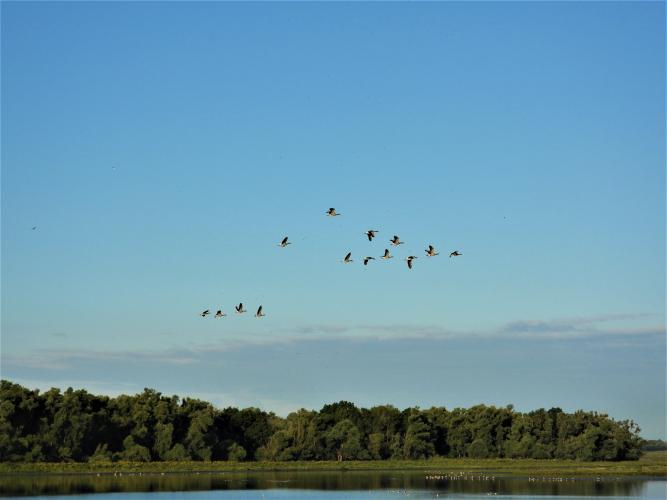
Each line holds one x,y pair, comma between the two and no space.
651,464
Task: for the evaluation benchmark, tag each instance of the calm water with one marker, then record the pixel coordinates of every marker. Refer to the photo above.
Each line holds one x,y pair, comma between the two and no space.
323,486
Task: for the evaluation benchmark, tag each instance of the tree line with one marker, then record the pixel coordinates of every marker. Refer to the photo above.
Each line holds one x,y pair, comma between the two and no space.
75,425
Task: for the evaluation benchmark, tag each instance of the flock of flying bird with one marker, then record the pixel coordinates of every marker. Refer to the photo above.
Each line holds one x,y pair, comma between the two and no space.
395,241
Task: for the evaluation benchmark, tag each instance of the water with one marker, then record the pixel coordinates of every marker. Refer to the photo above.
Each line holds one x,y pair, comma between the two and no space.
323,486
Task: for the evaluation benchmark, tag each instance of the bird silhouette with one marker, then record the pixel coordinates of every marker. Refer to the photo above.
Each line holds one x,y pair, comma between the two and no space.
431,251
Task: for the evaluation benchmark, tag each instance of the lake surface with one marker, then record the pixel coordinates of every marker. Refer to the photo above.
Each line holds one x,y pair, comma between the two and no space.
324,486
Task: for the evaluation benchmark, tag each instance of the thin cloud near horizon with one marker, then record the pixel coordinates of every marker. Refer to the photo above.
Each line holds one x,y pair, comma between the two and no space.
525,330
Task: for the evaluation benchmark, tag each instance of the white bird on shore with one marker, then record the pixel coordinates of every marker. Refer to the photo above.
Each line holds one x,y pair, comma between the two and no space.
386,255
284,242
431,251
259,313
239,308
347,258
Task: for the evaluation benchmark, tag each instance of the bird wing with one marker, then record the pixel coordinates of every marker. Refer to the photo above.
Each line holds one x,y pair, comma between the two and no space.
259,311
348,256
284,240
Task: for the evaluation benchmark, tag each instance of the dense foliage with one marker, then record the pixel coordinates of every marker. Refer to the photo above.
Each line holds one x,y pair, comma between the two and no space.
654,445
79,426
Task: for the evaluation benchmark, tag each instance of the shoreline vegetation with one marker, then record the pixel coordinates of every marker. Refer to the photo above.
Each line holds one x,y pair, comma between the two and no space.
652,464
75,426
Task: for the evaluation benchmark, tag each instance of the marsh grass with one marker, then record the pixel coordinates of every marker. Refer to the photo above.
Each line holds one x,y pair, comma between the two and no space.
651,464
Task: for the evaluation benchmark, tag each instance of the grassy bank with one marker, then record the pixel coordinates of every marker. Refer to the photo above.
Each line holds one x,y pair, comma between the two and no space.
651,464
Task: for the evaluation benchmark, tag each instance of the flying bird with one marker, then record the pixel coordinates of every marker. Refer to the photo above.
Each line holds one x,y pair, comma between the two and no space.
409,260
284,242
219,314
371,234
431,251
366,259
396,241
455,253
332,212
205,313
259,313
239,308
347,259
386,254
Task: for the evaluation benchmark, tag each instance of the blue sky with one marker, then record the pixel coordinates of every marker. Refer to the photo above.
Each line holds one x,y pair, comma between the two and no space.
163,149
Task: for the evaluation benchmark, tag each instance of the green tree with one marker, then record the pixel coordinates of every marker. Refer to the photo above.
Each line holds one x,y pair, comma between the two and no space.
236,453
418,441
178,453
134,452
344,441
199,438
163,439
478,449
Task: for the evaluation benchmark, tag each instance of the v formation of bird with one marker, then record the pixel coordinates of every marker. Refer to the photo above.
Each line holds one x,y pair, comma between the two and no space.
370,234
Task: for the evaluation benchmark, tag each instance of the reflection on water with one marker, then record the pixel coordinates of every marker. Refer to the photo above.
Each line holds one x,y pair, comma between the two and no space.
434,482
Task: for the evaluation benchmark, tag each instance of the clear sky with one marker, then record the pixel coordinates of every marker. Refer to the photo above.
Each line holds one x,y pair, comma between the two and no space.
162,150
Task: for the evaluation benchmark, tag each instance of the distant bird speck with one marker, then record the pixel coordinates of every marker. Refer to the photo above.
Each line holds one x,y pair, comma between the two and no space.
219,314
409,260
205,313
332,212
239,308
386,255
366,259
284,242
455,253
259,313
347,258
396,241
34,227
